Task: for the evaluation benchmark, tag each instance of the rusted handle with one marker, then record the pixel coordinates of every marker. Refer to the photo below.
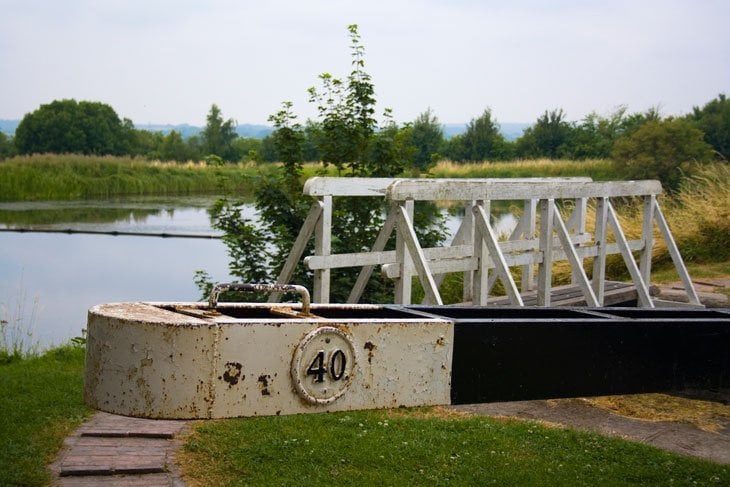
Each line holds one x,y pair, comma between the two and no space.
260,288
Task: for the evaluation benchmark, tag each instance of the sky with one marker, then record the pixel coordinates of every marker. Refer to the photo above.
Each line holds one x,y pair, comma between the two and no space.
168,61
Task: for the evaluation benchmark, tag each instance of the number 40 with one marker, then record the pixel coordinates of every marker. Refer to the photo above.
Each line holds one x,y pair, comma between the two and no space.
337,364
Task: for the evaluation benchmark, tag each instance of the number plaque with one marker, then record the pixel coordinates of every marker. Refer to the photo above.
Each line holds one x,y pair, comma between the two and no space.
323,365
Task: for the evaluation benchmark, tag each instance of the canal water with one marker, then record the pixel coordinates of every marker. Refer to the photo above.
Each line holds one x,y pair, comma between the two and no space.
49,280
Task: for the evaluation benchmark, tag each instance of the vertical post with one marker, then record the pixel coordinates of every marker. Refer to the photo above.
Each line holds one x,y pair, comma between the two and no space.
468,236
599,261
545,269
530,222
323,247
647,235
577,227
403,286
480,280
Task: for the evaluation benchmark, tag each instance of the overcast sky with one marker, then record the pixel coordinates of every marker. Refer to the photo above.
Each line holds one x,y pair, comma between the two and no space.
167,61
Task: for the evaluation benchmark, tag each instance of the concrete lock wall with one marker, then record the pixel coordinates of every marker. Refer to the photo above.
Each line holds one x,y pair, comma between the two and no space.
184,361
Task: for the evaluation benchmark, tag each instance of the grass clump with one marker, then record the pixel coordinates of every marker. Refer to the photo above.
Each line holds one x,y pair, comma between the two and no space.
410,448
40,404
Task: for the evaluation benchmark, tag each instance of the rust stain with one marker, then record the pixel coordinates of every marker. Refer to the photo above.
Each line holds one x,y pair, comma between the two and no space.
264,384
233,373
370,346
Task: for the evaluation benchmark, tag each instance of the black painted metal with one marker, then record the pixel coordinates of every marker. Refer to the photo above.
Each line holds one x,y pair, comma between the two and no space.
506,354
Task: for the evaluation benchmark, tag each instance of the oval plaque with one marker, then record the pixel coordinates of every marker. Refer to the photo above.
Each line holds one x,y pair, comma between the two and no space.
323,365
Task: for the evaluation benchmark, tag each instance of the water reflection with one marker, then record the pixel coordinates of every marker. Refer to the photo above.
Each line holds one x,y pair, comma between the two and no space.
57,277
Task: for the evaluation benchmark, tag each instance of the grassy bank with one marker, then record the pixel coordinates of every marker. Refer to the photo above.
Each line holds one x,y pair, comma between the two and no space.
67,177
40,404
425,447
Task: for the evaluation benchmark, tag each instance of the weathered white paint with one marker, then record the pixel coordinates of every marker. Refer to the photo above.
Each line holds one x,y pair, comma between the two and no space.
473,251
182,360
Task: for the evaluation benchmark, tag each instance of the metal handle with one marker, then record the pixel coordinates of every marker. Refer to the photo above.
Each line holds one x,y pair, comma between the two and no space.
260,288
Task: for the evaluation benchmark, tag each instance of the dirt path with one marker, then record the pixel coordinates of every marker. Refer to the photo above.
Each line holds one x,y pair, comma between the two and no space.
678,437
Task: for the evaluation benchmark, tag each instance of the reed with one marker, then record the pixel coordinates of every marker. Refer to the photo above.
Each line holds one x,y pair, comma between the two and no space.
69,176
598,169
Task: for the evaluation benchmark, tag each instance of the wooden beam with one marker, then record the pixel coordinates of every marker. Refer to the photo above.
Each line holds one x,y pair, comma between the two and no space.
486,233
405,229
295,255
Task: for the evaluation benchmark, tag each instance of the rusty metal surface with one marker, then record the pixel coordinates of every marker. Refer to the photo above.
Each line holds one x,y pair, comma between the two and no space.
183,360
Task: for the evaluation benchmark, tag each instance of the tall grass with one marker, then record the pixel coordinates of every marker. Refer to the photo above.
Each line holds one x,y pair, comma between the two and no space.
17,321
69,176
598,169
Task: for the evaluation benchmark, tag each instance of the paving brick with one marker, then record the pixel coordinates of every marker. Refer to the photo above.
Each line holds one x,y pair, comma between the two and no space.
150,480
106,456
105,424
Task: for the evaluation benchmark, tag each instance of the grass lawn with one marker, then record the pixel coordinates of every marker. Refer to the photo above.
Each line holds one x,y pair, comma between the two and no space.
40,404
425,447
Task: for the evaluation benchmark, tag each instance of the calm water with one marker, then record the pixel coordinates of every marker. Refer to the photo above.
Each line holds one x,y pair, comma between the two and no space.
49,280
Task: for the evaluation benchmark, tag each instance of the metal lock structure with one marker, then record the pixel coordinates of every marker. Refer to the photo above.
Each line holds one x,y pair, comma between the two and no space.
219,360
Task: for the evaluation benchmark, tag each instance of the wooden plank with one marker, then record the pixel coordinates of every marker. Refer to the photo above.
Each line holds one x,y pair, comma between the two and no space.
403,285
641,286
601,236
444,262
323,246
575,263
515,189
484,229
295,255
405,228
545,269
333,186
480,276
647,234
378,246
676,256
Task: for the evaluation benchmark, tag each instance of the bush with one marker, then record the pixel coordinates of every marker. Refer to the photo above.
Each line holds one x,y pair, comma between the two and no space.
663,150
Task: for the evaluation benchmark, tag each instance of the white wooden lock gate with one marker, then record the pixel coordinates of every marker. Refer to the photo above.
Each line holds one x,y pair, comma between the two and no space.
218,360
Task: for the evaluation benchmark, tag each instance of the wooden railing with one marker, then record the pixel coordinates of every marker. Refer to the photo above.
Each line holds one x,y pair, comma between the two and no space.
476,249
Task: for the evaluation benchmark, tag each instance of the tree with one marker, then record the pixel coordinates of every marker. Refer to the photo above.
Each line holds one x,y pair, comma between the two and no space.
595,135
427,139
7,148
347,136
661,150
549,137
174,148
483,140
65,126
218,135
714,120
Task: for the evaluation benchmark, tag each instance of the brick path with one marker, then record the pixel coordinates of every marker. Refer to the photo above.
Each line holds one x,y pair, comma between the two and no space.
111,450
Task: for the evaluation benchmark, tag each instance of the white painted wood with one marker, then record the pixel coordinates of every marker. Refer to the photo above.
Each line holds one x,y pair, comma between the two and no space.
480,277
529,223
487,235
515,189
295,255
601,236
332,186
403,286
576,225
689,287
323,246
367,270
408,234
545,269
641,287
647,234
575,262
444,263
